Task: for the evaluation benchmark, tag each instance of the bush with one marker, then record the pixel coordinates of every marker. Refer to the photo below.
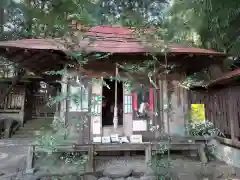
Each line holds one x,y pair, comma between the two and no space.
203,128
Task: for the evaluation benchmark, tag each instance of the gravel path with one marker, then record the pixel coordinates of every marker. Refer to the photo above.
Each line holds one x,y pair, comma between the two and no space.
13,154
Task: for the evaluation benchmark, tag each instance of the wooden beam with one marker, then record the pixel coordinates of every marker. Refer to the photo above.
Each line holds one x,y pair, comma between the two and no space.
233,143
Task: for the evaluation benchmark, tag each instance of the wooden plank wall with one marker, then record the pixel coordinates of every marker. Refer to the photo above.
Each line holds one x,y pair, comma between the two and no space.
14,100
220,107
39,106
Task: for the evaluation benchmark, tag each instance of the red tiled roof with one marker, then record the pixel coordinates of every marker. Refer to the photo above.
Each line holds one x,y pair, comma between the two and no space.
108,39
225,77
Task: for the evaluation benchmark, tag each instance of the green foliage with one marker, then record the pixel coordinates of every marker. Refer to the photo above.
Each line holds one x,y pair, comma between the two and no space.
205,23
198,79
160,163
203,128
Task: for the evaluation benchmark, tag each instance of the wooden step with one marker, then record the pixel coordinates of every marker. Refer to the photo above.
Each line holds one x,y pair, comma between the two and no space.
33,128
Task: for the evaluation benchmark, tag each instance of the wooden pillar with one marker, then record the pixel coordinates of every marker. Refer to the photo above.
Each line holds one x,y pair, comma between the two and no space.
186,109
161,106
58,105
215,71
67,101
231,113
202,154
148,153
23,104
115,116
7,127
1,21
30,159
91,162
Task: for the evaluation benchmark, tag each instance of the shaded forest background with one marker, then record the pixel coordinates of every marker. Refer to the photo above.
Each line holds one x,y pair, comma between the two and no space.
211,24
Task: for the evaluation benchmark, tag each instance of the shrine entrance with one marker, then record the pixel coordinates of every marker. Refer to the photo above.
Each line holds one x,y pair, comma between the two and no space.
108,103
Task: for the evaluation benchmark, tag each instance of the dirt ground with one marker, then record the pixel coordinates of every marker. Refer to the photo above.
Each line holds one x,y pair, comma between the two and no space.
185,167
13,158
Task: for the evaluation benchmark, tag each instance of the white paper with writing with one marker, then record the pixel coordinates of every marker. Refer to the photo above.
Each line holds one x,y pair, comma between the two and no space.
137,138
96,125
139,125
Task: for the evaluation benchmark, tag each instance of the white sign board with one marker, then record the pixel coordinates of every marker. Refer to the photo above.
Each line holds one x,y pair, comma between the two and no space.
137,138
139,125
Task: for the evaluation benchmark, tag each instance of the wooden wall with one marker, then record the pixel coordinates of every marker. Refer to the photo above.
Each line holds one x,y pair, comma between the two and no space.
222,108
172,104
13,105
40,98
14,100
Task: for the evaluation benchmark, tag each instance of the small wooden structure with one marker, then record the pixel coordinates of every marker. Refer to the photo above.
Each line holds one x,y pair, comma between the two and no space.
148,147
41,55
221,98
25,101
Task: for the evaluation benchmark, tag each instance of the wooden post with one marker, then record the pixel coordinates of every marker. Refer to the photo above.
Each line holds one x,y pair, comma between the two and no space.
186,110
231,114
161,106
67,101
91,162
30,159
7,127
148,153
58,109
1,21
115,116
202,154
23,103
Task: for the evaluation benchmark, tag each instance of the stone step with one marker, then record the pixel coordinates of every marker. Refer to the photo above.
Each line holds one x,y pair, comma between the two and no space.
31,131
34,128
37,123
26,132
24,136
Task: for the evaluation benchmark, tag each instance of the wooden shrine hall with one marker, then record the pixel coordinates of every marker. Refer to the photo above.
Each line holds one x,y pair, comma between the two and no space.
117,47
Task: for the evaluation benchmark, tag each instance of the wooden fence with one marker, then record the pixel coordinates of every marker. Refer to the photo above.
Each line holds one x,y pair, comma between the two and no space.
30,102
15,99
40,98
222,107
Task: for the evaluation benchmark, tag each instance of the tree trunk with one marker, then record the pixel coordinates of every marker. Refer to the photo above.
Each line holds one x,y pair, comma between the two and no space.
1,22
215,71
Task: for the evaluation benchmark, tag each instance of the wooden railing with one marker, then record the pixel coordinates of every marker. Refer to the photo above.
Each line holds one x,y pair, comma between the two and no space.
39,106
196,144
14,100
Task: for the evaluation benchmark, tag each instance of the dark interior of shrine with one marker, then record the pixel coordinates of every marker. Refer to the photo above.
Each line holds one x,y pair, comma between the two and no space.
109,102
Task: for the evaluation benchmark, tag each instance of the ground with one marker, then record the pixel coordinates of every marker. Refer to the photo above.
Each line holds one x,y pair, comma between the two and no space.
13,159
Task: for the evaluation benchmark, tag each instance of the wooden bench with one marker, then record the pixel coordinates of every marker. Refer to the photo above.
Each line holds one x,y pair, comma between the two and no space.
148,147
